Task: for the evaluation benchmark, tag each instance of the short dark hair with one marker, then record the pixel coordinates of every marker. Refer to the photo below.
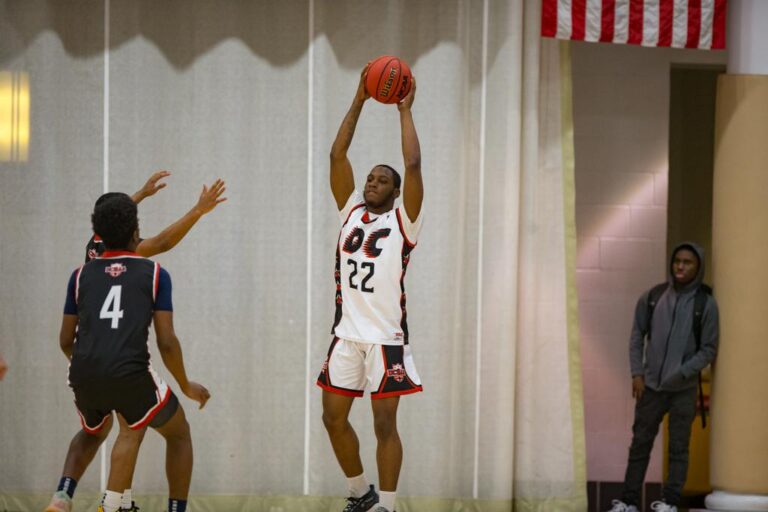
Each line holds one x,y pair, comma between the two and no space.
109,195
395,175
115,220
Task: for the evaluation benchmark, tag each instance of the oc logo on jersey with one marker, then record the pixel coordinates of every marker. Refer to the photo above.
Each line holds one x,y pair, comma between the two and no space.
356,239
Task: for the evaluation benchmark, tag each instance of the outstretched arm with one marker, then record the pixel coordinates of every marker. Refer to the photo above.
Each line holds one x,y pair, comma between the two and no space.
413,193
342,177
172,235
151,187
170,351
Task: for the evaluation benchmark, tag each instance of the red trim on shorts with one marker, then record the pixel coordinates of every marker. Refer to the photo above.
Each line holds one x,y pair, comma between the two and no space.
152,412
377,396
95,430
340,391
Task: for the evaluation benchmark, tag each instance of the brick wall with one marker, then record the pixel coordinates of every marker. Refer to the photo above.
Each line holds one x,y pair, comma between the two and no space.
621,117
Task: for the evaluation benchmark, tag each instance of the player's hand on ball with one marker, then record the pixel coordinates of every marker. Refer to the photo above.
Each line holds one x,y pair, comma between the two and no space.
153,184
407,102
211,197
362,93
197,392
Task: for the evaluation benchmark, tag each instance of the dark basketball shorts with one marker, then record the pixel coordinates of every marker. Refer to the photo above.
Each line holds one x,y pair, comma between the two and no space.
143,399
385,370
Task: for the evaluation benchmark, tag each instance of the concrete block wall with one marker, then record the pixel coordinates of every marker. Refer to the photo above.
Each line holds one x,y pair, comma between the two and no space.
621,117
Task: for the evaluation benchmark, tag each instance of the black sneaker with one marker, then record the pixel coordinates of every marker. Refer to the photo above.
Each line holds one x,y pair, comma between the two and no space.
362,504
133,508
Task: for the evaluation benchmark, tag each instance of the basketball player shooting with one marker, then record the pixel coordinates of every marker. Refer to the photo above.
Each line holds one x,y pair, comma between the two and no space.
370,347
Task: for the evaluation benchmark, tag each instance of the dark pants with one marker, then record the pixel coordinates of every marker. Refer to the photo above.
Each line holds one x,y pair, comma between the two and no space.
649,412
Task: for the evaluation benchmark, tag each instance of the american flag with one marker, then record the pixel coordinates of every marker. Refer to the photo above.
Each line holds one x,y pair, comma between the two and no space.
676,23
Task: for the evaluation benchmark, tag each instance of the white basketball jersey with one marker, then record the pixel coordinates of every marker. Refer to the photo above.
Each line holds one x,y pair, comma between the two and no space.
371,258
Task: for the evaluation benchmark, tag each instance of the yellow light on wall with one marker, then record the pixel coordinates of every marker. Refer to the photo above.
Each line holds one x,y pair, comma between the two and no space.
14,116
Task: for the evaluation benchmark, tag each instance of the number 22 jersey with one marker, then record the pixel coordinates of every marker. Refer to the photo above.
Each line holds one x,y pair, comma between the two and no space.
372,255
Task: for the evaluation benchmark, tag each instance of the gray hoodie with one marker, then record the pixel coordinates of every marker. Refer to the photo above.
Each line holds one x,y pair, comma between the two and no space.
671,361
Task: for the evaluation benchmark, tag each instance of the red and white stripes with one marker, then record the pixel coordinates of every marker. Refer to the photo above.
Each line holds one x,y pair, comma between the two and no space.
671,23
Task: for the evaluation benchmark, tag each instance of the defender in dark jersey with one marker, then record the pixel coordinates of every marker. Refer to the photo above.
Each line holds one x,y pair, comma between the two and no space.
84,446
111,302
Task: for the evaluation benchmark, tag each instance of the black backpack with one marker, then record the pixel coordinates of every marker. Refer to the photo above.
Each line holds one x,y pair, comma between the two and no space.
699,303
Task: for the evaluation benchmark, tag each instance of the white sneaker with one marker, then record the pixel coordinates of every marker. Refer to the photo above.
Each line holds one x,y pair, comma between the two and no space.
660,506
620,506
61,502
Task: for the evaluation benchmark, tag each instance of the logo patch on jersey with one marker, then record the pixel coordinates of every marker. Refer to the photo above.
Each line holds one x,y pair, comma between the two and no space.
397,372
115,269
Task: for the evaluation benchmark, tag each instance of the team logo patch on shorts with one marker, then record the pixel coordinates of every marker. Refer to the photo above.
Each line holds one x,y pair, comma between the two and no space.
397,372
115,269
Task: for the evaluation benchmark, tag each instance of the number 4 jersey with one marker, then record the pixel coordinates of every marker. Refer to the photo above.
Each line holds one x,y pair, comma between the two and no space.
371,258
114,297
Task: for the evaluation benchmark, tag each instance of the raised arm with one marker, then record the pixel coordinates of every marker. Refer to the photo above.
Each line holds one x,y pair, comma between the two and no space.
151,187
413,186
172,235
342,177
170,350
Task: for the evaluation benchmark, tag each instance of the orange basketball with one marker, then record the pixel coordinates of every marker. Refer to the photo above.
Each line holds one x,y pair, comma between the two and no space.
388,79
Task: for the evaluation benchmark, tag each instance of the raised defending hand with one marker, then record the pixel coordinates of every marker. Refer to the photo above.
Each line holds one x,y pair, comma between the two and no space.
197,392
407,102
638,386
361,94
211,197
151,187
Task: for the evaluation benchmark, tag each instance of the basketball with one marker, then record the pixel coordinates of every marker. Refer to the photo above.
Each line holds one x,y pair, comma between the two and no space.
388,79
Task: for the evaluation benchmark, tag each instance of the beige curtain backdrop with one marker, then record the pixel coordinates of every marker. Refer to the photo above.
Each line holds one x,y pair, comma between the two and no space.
254,92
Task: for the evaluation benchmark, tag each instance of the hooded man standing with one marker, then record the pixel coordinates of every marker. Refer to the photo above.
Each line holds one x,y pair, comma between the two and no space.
666,355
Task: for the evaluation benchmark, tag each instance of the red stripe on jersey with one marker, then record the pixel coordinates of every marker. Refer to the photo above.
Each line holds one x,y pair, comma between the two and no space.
156,282
117,254
77,283
350,212
402,231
